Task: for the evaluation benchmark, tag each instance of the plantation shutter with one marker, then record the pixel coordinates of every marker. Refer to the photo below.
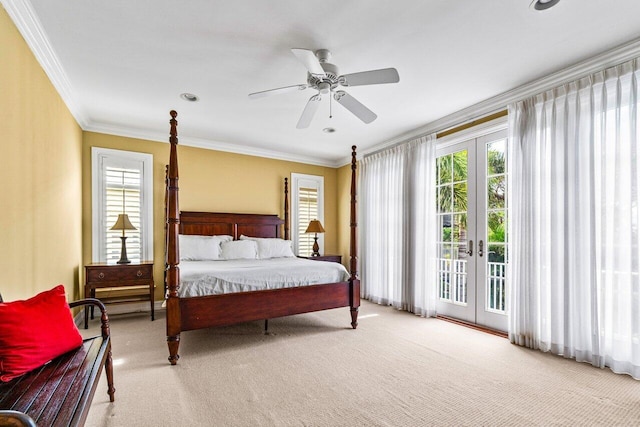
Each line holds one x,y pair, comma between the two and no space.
307,204
307,211
122,195
122,183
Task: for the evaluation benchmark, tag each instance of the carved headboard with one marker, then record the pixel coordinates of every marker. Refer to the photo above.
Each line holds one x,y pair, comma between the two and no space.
232,224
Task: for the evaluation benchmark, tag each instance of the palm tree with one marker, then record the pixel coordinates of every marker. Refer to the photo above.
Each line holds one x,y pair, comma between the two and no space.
452,197
496,165
452,186
497,186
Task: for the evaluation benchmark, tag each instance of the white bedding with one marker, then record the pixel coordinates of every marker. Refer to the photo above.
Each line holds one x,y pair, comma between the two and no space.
200,278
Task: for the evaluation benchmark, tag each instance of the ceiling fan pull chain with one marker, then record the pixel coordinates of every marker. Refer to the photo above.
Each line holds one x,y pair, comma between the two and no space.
330,113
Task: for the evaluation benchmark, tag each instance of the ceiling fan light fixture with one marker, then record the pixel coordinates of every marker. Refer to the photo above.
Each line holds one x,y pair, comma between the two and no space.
189,97
324,87
543,4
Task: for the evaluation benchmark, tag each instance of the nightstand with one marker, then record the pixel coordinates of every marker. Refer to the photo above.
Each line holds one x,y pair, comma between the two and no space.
330,258
136,276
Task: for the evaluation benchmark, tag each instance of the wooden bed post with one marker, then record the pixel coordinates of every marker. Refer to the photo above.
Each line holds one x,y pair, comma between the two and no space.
286,209
173,252
166,234
354,281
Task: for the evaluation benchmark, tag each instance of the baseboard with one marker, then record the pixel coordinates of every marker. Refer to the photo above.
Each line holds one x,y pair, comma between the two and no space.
473,326
133,307
114,309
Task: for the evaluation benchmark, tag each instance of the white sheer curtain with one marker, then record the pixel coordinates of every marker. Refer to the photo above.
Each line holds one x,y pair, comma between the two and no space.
575,260
398,217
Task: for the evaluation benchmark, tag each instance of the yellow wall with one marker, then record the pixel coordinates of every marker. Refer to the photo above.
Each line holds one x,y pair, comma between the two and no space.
40,215
46,171
212,181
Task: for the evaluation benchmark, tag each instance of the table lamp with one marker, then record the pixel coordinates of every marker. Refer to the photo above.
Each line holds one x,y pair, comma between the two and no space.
315,226
123,224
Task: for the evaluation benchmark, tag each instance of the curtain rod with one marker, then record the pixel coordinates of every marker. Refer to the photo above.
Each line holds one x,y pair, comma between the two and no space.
450,131
471,124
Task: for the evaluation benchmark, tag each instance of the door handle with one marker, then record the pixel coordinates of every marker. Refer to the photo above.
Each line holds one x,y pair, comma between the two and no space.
480,246
470,251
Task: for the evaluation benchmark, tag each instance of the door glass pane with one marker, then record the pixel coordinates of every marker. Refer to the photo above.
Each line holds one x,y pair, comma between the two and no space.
460,197
496,191
459,165
452,204
496,227
445,227
444,272
460,229
444,170
496,243
496,158
445,201
496,286
459,265
497,253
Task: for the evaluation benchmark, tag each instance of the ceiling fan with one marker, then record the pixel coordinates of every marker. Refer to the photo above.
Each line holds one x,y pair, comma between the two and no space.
326,79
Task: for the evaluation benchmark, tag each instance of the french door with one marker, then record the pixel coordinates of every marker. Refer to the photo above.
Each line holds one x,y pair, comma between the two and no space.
472,222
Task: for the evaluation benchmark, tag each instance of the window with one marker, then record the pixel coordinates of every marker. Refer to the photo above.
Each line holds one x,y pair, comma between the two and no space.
122,182
307,203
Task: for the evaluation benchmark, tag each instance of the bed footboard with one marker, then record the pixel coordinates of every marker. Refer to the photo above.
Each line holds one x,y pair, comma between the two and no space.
229,309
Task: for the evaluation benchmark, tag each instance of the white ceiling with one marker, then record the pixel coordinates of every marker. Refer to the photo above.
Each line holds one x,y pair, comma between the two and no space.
121,65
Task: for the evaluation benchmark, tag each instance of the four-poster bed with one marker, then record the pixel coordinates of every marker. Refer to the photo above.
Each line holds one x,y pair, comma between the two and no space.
196,312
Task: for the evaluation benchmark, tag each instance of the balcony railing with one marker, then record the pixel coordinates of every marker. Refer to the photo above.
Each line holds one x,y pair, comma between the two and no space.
496,286
453,283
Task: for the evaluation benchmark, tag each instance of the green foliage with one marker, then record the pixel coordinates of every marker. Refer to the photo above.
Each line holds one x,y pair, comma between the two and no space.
452,169
496,234
446,234
452,193
495,227
495,162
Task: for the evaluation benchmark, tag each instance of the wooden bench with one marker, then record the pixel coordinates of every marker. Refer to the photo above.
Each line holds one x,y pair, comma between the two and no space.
60,392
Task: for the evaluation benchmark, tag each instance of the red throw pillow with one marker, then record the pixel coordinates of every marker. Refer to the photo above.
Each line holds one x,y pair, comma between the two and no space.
35,331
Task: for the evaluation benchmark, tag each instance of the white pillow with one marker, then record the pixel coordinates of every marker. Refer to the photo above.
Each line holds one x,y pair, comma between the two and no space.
200,248
239,249
272,248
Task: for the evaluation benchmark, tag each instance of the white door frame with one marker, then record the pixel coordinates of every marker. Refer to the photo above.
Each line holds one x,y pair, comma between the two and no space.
476,309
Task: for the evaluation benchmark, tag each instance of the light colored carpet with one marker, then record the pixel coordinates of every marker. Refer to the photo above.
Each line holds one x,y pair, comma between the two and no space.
396,369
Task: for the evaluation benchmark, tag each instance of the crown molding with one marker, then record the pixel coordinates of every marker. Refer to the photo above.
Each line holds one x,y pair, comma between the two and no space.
610,58
208,144
28,24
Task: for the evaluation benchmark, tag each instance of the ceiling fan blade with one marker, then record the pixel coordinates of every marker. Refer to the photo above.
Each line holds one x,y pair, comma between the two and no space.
277,91
309,59
309,111
373,77
353,105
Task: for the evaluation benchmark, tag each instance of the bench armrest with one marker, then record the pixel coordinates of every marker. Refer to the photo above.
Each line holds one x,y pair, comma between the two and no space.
104,318
16,419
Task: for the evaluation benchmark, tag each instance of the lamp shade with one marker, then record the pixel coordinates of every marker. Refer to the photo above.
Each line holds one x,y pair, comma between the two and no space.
315,226
123,223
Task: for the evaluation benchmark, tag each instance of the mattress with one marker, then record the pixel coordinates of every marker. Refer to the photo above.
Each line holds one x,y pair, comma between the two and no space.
200,278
